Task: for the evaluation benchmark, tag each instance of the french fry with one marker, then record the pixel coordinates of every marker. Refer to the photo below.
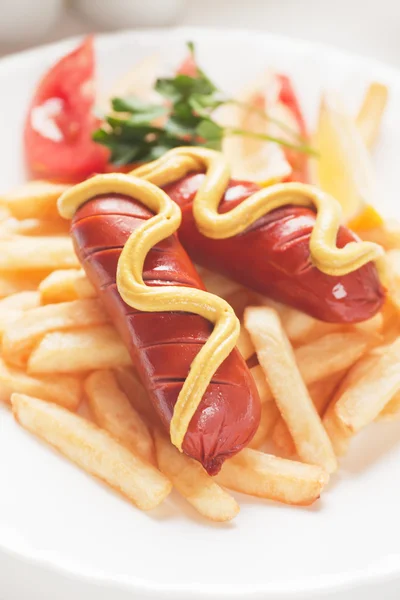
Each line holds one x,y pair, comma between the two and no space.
65,390
112,411
36,199
22,281
339,436
66,285
193,483
386,235
321,393
92,449
218,284
331,354
277,359
262,384
21,336
269,416
90,349
393,272
299,327
362,401
136,393
370,115
34,253
240,299
12,307
391,411
258,474
244,343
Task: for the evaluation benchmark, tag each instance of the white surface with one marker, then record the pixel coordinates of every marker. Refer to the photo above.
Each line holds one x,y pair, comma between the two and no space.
368,27
65,522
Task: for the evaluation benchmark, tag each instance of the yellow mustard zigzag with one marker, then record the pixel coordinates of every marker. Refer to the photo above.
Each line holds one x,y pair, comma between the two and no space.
326,256
137,294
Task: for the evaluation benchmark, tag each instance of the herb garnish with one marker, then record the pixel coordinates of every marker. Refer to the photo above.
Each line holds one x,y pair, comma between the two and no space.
144,131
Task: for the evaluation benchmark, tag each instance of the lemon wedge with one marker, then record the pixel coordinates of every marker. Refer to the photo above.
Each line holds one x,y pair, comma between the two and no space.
344,168
371,112
249,158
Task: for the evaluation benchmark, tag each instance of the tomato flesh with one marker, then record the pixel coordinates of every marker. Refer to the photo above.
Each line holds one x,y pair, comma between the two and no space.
60,122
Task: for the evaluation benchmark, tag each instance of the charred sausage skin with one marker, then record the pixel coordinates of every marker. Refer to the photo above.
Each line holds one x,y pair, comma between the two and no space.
163,345
273,257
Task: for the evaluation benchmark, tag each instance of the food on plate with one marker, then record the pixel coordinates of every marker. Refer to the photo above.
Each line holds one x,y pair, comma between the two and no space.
60,120
94,449
214,411
114,353
277,250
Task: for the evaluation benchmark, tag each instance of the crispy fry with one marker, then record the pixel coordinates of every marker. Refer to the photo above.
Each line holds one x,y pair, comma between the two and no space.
136,393
218,284
291,395
299,327
22,281
193,483
339,436
266,476
112,411
92,449
391,411
36,199
33,253
262,384
370,115
90,349
21,336
13,226
331,354
321,393
65,390
377,382
13,307
66,285
240,299
269,416
244,343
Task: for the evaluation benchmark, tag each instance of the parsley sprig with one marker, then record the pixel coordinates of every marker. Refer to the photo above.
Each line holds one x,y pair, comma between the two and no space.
139,131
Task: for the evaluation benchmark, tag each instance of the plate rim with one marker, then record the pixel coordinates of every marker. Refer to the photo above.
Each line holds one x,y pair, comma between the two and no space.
313,586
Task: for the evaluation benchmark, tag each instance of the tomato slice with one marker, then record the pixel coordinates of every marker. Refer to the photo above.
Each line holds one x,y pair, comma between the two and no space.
60,121
297,160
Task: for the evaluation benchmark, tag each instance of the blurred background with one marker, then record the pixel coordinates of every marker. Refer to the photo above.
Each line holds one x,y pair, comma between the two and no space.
368,27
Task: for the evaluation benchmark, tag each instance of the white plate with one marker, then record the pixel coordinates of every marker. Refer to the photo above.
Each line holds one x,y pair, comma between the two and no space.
63,535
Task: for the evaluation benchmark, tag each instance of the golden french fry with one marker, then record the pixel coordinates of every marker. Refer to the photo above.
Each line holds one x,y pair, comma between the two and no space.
262,384
277,359
218,284
22,281
21,336
136,393
112,411
269,416
65,390
371,326
332,353
339,436
92,449
193,483
90,349
33,253
244,343
321,393
386,235
299,327
363,400
370,115
36,199
66,285
240,299
258,474
391,411
12,307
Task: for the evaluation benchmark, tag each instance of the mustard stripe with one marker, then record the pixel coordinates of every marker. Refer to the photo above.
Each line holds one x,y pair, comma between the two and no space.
326,256
137,294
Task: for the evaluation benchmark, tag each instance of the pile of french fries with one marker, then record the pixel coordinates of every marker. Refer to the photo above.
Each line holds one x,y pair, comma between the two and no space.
69,380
